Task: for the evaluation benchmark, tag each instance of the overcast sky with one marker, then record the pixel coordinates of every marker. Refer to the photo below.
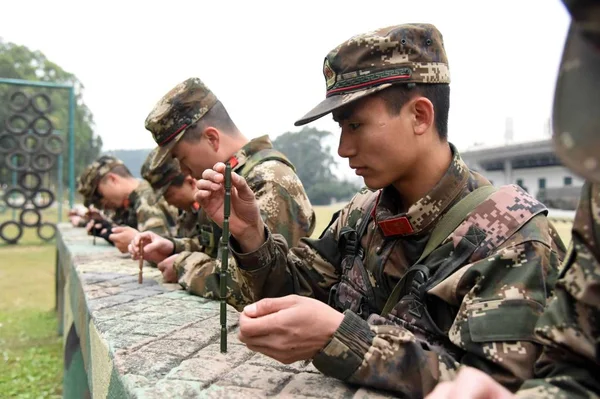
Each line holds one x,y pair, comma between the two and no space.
264,59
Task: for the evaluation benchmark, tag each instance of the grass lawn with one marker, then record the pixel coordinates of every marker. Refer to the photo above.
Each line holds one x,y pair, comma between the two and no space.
30,349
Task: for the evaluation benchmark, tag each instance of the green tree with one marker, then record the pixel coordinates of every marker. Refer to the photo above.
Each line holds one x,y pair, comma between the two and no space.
313,161
19,62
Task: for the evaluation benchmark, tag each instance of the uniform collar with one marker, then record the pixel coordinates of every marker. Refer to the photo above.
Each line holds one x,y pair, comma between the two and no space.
422,215
253,146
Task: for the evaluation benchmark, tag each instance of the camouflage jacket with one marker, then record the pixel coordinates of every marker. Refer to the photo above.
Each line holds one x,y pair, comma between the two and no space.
570,328
470,307
284,207
138,213
187,237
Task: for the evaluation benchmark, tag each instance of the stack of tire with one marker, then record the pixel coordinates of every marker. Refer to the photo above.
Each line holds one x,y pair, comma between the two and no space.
28,151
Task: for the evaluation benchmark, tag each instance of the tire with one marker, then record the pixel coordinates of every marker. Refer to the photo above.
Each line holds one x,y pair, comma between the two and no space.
16,106
9,124
34,126
11,240
36,177
14,190
23,143
36,106
60,144
5,139
46,224
40,167
42,206
24,221
17,168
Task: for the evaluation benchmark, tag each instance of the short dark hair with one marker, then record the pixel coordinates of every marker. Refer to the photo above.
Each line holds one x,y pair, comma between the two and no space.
178,180
217,117
439,94
121,170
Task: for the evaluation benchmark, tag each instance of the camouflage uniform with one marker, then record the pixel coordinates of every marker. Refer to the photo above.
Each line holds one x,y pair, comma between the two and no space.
139,210
160,178
189,230
284,205
570,328
500,263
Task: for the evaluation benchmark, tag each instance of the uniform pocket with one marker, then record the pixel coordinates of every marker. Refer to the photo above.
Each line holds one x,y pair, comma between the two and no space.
503,320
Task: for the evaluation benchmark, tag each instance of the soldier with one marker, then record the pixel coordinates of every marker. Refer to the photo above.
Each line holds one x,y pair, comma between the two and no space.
109,185
570,327
432,267
178,190
192,125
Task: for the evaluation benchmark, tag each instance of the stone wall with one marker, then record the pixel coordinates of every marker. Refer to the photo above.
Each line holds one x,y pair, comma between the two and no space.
153,340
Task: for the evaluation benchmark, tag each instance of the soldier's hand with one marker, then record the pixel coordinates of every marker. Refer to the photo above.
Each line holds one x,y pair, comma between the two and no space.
76,220
95,228
288,329
470,383
156,248
245,223
167,269
121,236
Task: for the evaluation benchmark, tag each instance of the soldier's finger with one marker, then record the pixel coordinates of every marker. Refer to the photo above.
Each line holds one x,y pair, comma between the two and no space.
151,247
255,327
270,305
211,175
142,237
219,167
243,189
208,185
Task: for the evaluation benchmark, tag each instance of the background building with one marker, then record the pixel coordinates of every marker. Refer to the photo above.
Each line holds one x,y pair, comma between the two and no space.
531,165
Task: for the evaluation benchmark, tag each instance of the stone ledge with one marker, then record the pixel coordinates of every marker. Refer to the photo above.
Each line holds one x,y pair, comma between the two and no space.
153,340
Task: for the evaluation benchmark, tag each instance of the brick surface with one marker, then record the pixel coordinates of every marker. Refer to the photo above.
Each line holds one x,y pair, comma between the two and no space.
162,342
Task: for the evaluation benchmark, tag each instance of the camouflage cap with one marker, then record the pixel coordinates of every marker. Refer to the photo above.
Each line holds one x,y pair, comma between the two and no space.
88,180
160,177
373,61
181,107
577,95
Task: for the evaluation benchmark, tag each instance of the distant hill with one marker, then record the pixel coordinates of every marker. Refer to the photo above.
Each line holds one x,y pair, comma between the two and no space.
133,159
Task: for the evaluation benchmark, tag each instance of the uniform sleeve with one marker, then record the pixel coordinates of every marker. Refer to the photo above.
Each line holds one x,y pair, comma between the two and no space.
198,274
272,271
152,218
186,244
310,269
500,298
570,327
283,203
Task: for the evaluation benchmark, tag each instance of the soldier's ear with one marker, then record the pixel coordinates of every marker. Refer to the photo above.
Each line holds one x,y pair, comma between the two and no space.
110,178
190,180
213,137
422,114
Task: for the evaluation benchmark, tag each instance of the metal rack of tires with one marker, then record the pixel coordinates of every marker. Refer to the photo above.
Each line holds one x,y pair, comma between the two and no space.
30,149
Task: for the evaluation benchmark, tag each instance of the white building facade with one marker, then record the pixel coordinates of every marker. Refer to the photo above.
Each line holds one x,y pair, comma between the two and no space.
531,165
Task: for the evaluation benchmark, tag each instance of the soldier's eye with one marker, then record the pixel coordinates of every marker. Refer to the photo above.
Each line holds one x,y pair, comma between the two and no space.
354,126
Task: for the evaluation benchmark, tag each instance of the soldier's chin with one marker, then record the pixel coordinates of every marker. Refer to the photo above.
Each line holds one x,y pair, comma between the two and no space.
373,183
